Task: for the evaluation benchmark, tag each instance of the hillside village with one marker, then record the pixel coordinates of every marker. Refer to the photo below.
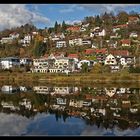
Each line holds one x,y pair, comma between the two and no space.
104,43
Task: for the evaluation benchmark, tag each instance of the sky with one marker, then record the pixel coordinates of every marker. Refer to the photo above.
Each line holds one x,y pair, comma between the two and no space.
45,15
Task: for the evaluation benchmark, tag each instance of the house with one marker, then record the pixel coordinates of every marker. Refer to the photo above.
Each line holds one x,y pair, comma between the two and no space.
125,42
110,60
133,19
42,62
75,57
115,36
127,61
9,62
9,89
25,61
86,42
101,54
60,44
133,35
118,27
56,37
62,65
40,65
75,42
5,40
14,35
98,32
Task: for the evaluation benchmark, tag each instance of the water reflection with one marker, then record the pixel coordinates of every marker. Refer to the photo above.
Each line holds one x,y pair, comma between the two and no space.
70,110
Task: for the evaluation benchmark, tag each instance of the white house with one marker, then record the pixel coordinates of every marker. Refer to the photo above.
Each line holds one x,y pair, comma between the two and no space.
25,61
86,42
127,61
77,42
60,44
97,32
110,60
133,34
14,35
9,62
6,40
26,41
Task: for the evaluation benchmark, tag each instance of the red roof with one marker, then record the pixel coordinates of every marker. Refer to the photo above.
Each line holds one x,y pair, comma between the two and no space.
103,50
121,26
125,41
73,55
73,28
120,52
89,51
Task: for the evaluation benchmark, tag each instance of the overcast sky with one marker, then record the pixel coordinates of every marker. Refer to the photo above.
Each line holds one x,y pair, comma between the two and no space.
45,15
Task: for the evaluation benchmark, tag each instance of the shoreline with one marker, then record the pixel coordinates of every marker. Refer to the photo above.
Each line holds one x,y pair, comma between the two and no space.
86,78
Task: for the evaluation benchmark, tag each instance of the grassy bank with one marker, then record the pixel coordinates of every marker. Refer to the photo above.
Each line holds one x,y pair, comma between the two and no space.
83,78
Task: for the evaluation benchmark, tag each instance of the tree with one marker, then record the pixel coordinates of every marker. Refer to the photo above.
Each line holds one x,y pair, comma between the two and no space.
64,26
98,21
122,17
84,67
97,68
40,49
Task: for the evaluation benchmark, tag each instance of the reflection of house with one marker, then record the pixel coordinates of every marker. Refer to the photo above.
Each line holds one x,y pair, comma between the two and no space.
9,89
27,103
61,101
9,62
26,61
9,105
76,103
41,89
110,92
62,90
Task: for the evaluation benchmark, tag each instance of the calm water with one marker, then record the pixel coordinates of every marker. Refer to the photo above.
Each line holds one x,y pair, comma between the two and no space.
69,110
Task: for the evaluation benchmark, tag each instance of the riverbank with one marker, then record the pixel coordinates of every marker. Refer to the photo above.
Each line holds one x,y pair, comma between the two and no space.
83,78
